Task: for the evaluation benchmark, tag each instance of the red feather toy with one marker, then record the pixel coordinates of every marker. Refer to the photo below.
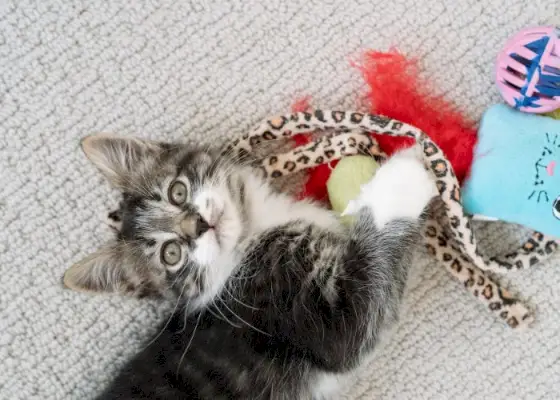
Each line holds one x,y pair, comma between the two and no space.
395,90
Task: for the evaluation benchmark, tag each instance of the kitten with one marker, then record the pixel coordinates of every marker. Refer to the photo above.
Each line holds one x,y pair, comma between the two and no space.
275,298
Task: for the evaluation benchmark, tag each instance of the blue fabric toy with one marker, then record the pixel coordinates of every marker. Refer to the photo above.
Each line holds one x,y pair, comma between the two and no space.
515,175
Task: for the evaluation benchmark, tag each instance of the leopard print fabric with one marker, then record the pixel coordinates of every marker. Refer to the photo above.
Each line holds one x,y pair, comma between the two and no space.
448,235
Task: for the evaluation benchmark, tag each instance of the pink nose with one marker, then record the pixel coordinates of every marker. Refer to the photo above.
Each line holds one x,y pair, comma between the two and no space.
550,168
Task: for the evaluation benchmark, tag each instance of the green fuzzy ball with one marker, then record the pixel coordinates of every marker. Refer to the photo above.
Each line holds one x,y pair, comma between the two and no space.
345,181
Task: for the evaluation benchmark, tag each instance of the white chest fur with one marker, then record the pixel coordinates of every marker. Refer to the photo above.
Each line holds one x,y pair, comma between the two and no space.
269,208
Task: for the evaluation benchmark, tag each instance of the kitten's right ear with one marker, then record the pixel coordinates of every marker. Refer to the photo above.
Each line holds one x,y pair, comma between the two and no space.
117,157
111,269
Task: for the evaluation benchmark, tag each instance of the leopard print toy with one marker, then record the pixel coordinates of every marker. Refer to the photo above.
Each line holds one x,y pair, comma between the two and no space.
448,234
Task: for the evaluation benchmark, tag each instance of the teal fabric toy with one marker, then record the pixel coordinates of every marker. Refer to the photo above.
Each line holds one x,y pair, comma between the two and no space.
515,175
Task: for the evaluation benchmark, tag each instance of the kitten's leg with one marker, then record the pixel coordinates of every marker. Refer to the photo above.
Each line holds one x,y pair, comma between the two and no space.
325,296
390,209
363,291
401,188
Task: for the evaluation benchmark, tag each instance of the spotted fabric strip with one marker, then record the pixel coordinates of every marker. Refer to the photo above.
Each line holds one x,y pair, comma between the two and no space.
448,236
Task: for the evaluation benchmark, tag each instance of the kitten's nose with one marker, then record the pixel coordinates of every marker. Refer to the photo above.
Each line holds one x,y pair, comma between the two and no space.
201,226
194,226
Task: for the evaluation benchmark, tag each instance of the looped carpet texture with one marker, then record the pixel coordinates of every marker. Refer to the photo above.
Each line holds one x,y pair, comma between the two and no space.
202,72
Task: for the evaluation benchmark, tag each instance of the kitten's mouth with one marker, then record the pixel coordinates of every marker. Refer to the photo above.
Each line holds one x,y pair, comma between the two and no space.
214,223
215,218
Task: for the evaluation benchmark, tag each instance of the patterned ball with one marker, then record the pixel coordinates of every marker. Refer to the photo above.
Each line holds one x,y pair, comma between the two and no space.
528,70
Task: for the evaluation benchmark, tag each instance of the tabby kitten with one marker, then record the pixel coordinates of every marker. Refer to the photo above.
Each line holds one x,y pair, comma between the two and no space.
275,298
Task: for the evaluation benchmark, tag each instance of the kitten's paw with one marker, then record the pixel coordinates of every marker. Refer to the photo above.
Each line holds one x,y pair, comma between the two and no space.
401,188
414,152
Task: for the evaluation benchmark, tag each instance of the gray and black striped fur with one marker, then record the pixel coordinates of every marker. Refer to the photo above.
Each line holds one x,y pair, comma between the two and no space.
284,304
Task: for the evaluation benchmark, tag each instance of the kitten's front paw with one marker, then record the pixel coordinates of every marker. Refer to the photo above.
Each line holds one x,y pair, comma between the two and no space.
401,188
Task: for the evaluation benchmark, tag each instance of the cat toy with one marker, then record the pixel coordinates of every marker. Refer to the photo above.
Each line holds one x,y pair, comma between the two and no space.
528,70
395,88
529,144
448,234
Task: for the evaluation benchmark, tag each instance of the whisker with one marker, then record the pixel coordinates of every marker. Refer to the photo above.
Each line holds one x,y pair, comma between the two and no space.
188,344
222,314
241,319
169,319
239,301
185,316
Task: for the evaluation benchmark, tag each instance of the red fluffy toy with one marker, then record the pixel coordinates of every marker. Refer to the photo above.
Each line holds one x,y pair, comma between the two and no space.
396,91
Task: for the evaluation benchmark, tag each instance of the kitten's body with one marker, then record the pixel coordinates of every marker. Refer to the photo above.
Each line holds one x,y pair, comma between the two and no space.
282,305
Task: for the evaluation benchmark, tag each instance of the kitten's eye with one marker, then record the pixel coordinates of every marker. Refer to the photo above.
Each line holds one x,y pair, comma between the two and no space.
178,193
556,207
171,253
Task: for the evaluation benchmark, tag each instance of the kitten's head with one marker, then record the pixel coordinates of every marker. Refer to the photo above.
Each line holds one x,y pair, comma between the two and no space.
182,220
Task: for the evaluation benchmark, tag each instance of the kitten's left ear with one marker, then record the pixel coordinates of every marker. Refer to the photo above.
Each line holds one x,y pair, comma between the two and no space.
117,157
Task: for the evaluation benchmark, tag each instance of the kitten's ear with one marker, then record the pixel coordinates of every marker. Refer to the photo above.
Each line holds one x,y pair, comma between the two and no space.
116,157
109,270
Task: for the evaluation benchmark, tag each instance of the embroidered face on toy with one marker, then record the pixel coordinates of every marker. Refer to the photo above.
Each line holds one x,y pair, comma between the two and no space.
545,190
516,172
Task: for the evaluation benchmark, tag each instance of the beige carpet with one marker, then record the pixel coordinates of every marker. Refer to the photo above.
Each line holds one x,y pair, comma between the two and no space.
204,71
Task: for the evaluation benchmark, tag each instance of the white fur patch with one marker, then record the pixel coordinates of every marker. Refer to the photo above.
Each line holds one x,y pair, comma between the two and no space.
207,249
217,208
269,209
401,188
328,386
215,250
